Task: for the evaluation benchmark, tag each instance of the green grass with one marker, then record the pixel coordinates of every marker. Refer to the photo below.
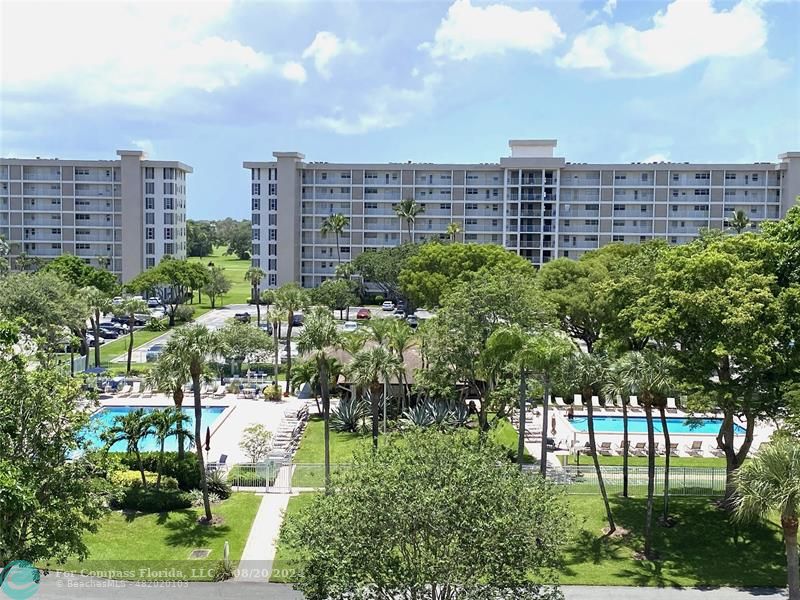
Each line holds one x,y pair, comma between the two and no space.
134,543
704,548
235,270
119,346
641,461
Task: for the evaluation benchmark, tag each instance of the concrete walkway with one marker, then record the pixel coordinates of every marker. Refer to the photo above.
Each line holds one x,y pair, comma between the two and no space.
259,552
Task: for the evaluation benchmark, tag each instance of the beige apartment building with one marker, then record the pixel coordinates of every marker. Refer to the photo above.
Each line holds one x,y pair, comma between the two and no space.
532,202
123,214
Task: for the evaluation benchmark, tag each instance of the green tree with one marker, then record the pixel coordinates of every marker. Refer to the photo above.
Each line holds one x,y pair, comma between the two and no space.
73,270
401,339
256,442
408,210
770,483
336,294
241,340
199,238
129,308
618,386
4,252
218,285
396,521
382,267
305,372
290,298
99,303
165,424
335,224
170,281
739,221
190,346
47,504
437,267
254,276
169,375
131,429
318,338
453,229
240,240
370,368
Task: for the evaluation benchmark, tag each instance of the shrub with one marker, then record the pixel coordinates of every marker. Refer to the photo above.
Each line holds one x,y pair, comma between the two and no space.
134,479
256,442
186,472
157,324
149,500
184,313
197,497
256,476
378,299
273,392
349,415
218,485
223,571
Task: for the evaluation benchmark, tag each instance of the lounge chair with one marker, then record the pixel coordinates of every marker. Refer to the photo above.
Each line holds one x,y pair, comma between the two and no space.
620,450
596,403
577,402
717,452
696,449
634,403
221,391
605,449
126,390
671,407
640,449
560,402
137,387
147,392
220,464
673,449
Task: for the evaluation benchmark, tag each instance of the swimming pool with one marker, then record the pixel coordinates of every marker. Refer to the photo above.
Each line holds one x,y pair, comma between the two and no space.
638,425
104,418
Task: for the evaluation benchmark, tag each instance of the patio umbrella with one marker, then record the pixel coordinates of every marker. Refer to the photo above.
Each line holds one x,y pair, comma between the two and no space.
95,370
208,439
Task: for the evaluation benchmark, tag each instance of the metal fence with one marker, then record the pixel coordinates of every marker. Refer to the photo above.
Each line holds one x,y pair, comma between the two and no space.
577,479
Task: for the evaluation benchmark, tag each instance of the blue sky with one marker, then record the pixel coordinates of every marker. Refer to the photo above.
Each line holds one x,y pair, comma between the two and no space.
216,83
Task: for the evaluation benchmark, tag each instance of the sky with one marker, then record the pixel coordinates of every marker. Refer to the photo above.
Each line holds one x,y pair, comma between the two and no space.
213,84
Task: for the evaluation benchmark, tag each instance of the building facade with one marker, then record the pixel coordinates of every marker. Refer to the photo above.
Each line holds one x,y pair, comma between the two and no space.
124,215
532,202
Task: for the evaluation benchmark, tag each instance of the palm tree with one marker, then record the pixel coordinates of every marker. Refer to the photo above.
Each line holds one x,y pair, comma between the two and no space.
318,337
290,298
99,303
770,482
190,346
369,368
586,374
617,387
739,221
379,330
401,339
305,372
335,224
103,261
255,275
169,375
274,315
408,210
130,428
648,376
130,308
453,229
167,423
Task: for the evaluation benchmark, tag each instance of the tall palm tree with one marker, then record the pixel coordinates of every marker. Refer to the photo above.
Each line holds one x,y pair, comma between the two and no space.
165,424
99,304
319,336
770,482
274,315
739,221
648,375
408,210
335,224
169,375
453,229
129,309
585,373
369,368
191,346
401,339
305,372
378,330
130,428
617,386
254,275
290,298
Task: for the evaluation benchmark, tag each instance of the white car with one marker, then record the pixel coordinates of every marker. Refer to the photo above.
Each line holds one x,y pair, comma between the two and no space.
388,305
350,326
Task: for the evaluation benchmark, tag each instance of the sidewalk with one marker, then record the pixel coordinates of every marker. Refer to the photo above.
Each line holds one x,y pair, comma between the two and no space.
259,552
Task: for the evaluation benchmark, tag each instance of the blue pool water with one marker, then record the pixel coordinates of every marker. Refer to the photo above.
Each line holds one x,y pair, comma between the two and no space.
639,425
104,418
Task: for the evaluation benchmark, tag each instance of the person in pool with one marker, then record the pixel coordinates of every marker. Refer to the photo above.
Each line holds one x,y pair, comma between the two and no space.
570,412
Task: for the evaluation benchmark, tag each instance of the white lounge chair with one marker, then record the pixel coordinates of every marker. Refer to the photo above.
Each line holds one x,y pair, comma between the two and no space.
560,402
696,449
136,389
596,403
634,403
639,449
671,407
221,391
577,401
147,392
126,390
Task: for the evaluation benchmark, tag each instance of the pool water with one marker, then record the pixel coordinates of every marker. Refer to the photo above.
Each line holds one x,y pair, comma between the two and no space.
104,419
638,425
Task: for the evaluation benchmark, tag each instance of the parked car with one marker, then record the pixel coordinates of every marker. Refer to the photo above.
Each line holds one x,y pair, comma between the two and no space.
363,313
137,321
297,320
400,310
388,305
154,352
120,328
350,326
266,327
242,317
117,300
153,302
107,334
91,341
412,321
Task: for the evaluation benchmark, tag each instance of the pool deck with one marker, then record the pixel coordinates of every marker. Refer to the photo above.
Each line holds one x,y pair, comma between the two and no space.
227,430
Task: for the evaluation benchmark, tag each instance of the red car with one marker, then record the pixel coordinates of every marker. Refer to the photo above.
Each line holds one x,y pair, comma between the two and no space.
363,313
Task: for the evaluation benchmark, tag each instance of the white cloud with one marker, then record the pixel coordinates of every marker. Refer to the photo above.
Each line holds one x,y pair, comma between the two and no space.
470,31
687,32
294,71
609,7
388,107
325,47
724,75
135,53
657,157
146,145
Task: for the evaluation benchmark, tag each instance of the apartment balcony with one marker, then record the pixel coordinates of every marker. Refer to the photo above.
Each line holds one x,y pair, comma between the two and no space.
99,175
634,229
378,224
633,196
528,228
382,195
689,180
91,191
41,220
434,179
570,214
686,229
746,181
42,236
42,250
689,214
40,189
483,227
493,180
747,196
97,236
531,180
390,242
41,173
103,206
432,197
94,221
328,180
580,244
329,196
93,251
578,228
568,181
51,206
3,220
483,212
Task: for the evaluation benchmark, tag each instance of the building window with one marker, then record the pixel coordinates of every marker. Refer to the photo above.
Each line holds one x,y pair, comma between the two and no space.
167,233
256,234
150,203
645,177
256,204
256,189
169,173
701,176
273,279
149,218
169,203
273,220
620,177
272,249
256,250
149,248
273,189
730,176
149,233
272,264
169,219
149,173
149,188
273,235
444,206
273,204
256,219
169,248
169,187
150,262
755,176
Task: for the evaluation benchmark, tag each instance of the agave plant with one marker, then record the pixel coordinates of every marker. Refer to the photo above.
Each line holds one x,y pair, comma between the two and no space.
349,415
418,416
439,412
459,415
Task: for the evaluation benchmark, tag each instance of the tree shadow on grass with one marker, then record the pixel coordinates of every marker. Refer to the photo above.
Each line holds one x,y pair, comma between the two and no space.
705,547
184,530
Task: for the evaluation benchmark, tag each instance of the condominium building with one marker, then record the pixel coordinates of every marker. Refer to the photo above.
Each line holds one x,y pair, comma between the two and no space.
532,202
124,215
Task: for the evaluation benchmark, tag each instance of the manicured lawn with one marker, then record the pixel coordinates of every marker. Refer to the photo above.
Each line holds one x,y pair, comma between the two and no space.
133,544
235,270
119,346
704,548
641,461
